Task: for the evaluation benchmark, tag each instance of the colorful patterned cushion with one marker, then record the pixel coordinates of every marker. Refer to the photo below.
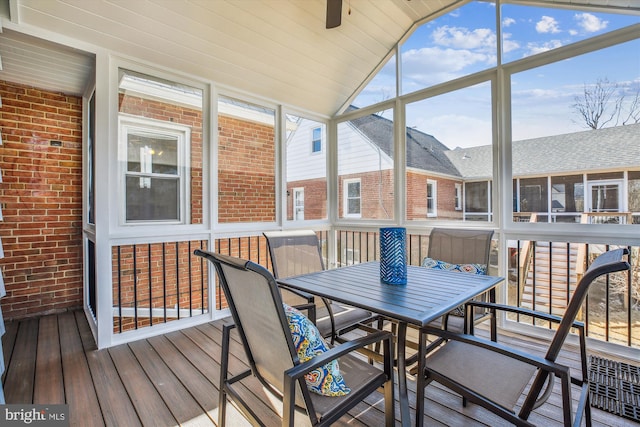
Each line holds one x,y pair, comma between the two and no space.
325,380
465,268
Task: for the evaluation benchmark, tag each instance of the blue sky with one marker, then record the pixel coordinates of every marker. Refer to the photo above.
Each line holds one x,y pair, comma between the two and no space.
463,42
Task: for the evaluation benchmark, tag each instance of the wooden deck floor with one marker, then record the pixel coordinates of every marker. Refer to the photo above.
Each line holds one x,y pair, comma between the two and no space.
172,380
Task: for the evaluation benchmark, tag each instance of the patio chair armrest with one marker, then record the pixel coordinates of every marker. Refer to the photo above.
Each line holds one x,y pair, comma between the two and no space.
305,295
522,311
340,350
537,361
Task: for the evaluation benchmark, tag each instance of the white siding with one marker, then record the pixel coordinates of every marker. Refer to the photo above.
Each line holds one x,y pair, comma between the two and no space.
356,154
301,162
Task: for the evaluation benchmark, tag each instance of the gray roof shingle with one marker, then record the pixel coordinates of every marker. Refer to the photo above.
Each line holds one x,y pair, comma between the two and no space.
423,150
613,148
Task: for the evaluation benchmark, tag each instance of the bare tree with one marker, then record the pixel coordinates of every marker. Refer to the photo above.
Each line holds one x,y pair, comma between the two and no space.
603,103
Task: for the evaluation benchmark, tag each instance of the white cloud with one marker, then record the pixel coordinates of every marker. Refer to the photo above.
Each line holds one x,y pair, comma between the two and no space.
507,22
534,48
547,24
509,45
573,32
463,38
590,23
537,94
431,65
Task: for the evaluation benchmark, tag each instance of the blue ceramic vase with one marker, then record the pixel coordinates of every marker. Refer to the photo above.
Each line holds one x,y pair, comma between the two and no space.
393,255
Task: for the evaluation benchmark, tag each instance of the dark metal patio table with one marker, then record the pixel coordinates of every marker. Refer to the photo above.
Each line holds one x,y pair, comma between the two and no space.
427,295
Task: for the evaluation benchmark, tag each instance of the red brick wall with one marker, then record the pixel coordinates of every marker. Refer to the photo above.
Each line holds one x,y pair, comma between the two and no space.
246,171
41,197
417,197
315,198
374,186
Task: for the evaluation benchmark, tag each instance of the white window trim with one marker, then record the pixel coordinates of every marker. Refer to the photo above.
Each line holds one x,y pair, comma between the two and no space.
345,198
434,192
458,196
127,123
297,190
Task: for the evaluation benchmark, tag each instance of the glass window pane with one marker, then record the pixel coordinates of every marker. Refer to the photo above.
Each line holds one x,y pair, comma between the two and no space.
477,198
353,189
634,195
152,199
567,198
530,30
354,206
161,132
246,162
575,123
365,154
306,169
91,159
152,153
457,44
380,88
449,141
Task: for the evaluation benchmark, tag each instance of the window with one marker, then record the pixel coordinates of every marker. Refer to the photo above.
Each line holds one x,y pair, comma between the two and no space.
533,195
246,162
585,104
456,44
352,198
546,28
477,201
160,150
154,177
432,198
634,195
448,136
91,159
458,197
298,204
381,87
306,170
316,140
366,153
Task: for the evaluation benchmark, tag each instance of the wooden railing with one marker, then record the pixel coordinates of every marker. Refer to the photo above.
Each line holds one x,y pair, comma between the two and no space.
607,218
161,282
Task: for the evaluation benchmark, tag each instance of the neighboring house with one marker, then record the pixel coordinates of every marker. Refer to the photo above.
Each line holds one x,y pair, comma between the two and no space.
562,176
557,177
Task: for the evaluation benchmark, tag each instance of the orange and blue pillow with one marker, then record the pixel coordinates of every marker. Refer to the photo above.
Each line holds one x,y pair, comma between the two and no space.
327,379
465,268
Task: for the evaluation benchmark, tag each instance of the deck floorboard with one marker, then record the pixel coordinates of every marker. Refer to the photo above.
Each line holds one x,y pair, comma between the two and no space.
173,379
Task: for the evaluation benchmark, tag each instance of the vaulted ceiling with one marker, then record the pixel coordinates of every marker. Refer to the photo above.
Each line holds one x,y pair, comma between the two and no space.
276,49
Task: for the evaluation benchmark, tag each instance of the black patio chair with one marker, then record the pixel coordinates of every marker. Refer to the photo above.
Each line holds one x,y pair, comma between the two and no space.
494,375
298,252
463,247
258,314
459,247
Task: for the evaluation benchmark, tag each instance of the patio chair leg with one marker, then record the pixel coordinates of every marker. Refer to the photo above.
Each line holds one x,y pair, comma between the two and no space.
224,362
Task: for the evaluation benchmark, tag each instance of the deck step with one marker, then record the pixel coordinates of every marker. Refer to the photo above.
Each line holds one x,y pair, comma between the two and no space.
554,269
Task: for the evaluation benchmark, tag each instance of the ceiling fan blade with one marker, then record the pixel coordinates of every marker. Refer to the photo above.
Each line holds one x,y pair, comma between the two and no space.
334,13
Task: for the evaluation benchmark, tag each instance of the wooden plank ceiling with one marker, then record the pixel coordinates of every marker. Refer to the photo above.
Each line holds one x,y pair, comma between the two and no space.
279,50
